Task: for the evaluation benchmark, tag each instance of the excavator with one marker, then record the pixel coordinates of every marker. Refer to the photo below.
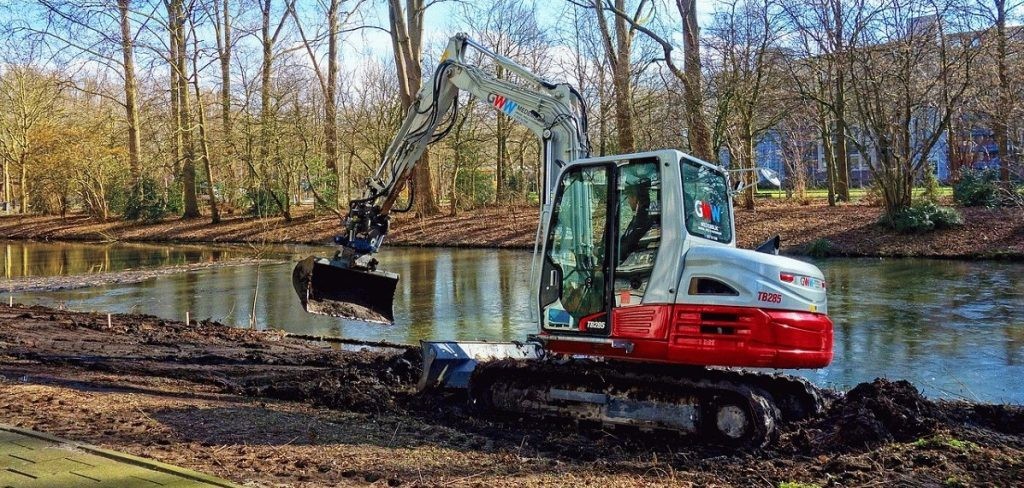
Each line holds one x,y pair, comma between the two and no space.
649,316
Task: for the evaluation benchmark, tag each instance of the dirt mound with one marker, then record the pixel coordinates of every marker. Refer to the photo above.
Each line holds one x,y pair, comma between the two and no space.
363,382
1005,419
878,412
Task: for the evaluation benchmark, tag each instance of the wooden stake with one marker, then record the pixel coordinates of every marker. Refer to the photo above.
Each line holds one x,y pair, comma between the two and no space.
10,301
110,324
187,321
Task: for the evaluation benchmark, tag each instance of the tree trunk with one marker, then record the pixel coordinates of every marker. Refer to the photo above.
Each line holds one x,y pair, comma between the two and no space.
623,83
504,127
130,89
1003,107
829,156
693,99
842,167
223,26
406,40
262,168
7,186
747,158
331,115
188,168
176,122
205,146
23,184
267,45
618,50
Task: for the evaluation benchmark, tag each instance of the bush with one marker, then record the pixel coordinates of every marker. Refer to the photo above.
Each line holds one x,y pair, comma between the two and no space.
475,188
149,204
923,217
262,202
930,183
819,248
873,195
977,188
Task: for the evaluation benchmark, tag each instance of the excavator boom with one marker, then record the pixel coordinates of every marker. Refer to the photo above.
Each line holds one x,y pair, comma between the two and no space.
349,285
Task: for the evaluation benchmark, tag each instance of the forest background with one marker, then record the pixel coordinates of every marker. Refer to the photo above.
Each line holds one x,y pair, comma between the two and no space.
145,109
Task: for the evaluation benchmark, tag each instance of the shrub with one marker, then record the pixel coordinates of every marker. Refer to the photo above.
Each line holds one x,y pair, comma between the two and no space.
475,188
930,183
873,195
923,217
262,202
819,248
977,188
149,204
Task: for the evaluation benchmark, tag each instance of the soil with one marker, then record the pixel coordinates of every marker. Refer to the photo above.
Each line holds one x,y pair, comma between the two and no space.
844,230
266,409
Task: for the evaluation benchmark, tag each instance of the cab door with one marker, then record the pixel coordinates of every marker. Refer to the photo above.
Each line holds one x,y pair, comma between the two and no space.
573,290
601,245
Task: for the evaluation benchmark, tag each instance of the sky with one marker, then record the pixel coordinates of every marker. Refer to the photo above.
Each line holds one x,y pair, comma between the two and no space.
442,20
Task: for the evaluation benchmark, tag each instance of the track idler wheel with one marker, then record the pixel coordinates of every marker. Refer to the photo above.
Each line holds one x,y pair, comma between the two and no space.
740,418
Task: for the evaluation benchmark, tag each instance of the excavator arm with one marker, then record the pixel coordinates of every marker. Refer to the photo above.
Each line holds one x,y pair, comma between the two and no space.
350,285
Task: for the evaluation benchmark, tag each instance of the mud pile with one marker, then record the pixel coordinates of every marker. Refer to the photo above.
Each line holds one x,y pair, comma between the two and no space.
362,382
868,415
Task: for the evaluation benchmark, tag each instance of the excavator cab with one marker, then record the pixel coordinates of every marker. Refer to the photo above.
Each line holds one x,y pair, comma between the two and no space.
602,243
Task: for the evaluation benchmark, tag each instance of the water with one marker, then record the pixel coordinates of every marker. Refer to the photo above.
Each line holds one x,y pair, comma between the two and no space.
955,329
25,259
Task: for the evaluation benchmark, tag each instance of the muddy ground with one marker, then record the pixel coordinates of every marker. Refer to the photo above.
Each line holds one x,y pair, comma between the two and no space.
270,410
845,230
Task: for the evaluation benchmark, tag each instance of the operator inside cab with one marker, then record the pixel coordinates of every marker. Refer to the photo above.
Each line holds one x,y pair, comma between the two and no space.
639,230
638,197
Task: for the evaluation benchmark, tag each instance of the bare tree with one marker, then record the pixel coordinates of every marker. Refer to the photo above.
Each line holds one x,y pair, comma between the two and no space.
618,48
509,28
178,16
268,40
328,82
690,76
745,38
29,98
85,29
908,66
406,28
223,24
1005,89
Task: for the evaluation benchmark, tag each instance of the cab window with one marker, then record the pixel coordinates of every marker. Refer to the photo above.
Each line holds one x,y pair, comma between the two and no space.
706,198
639,232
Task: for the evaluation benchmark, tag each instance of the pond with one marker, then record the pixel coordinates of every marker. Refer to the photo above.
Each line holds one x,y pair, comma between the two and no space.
953,328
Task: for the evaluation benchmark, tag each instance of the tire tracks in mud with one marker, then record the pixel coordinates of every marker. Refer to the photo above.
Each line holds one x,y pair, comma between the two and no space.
879,431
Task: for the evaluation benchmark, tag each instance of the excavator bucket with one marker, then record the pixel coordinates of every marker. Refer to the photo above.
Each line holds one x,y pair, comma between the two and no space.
328,289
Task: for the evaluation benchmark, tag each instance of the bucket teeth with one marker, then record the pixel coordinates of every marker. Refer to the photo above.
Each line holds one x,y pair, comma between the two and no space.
325,288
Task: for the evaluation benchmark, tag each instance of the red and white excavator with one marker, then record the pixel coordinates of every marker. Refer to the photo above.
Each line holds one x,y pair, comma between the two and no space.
645,307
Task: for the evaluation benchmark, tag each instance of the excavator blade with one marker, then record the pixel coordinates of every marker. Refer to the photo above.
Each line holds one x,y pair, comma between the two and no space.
449,364
328,289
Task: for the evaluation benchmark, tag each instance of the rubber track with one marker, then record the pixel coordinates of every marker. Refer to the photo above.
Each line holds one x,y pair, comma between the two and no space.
650,382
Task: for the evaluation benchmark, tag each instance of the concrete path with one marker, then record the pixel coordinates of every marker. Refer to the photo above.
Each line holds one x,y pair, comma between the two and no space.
31,459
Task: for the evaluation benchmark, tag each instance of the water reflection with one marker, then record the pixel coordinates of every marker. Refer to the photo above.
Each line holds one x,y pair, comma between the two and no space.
956,329
20,259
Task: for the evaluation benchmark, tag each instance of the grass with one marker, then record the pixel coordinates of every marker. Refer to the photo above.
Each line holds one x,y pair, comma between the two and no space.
798,484
855,193
944,441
